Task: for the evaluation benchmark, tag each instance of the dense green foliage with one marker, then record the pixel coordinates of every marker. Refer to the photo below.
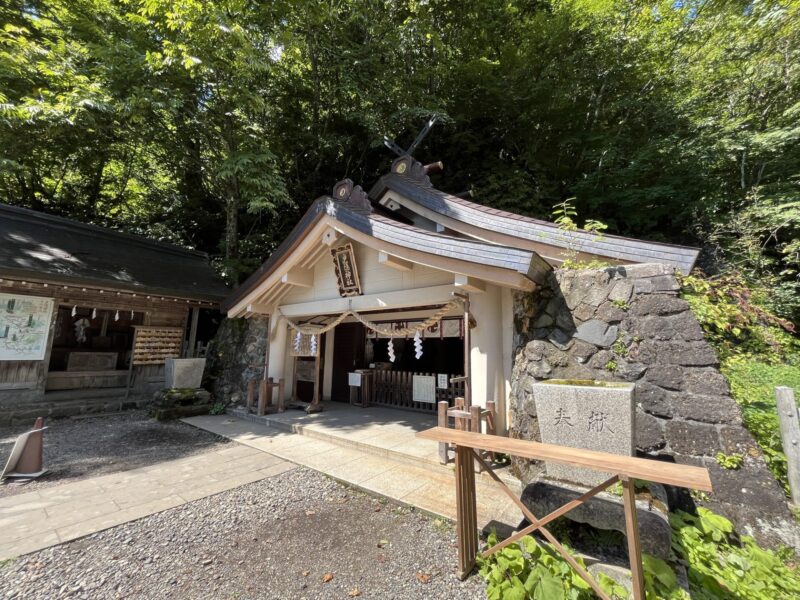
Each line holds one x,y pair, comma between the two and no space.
215,123
720,566
758,352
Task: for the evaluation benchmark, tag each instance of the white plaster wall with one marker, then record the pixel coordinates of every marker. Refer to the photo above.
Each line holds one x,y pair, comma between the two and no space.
507,323
486,354
375,278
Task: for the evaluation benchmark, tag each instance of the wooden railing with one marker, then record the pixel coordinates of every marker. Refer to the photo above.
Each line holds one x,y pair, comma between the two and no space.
625,469
395,389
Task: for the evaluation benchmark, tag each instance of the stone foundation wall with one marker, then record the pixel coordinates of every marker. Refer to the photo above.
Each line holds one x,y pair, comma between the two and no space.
233,356
21,411
628,324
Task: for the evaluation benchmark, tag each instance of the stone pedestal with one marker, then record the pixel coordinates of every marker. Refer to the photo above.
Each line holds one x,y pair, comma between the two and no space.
593,415
606,511
184,373
178,403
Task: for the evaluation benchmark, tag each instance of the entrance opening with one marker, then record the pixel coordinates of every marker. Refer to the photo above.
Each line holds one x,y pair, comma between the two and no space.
348,355
392,383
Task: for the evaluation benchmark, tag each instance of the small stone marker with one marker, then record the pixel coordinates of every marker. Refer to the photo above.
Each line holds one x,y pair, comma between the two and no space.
184,372
594,415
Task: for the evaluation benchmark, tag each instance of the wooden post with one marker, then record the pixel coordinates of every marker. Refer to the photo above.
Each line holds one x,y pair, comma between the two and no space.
281,392
251,394
475,413
193,332
262,397
466,512
442,411
491,422
790,436
467,358
632,533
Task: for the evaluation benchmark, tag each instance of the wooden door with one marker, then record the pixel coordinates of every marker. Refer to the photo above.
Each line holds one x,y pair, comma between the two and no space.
348,355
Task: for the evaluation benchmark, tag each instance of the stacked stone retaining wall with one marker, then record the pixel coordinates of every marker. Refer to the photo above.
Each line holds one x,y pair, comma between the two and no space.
235,356
628,323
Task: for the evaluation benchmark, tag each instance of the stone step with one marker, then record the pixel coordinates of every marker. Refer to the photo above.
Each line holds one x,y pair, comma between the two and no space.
343,441
62,395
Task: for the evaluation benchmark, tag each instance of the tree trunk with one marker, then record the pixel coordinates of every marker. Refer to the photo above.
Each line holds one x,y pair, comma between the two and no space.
231,226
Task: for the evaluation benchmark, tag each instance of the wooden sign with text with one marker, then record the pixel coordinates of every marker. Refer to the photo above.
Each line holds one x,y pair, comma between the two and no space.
344,263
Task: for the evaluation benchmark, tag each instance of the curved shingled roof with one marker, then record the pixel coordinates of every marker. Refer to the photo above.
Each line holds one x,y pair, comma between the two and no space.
481,254
527,229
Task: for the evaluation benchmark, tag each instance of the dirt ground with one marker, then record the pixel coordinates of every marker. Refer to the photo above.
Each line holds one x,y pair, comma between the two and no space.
79,448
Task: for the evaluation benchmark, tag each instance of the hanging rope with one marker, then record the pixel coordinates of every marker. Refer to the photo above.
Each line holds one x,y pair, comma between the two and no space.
381,329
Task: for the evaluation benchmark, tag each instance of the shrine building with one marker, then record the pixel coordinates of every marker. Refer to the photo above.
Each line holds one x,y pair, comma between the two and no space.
401,291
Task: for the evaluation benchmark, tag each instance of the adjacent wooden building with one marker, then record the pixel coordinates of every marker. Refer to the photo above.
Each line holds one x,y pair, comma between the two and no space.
72,298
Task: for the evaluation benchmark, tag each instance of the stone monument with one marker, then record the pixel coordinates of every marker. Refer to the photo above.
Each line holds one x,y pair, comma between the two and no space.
593,415
184,373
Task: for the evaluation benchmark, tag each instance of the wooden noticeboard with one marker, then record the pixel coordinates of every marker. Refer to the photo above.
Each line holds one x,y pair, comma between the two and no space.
154,345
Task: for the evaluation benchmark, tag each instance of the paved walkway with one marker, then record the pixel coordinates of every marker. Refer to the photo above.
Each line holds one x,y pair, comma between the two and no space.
39,519
384,431
425,486
377,453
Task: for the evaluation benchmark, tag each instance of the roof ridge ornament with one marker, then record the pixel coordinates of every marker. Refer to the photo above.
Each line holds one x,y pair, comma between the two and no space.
352,196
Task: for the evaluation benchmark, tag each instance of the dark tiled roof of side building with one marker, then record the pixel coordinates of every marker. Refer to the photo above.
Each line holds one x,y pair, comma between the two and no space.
533,230
45,247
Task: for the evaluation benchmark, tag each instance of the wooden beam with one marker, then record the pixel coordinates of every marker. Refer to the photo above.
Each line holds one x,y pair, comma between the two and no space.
437,294
626,466
469,284
384,258
330,236
259,309
299,276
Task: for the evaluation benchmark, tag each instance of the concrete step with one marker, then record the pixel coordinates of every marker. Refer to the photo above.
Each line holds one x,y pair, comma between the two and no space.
345,442
61,395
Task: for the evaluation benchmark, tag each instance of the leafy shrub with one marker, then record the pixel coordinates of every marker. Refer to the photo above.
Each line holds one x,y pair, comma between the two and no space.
735,321
729,461
720,566
217,409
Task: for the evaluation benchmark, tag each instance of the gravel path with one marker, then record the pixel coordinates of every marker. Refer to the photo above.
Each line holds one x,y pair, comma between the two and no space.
79,448
298,535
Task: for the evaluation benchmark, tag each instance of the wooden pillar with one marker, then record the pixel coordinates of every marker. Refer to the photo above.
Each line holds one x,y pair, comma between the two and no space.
632,533
267,345
475,413
442,412
190,351
251,394
790,436
466,511
467,356
491,422
281,393
262,397
41,374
